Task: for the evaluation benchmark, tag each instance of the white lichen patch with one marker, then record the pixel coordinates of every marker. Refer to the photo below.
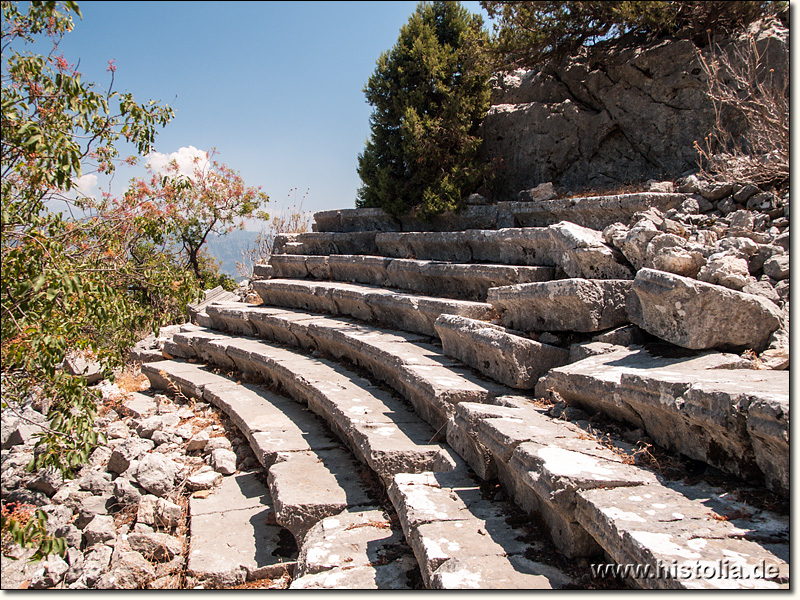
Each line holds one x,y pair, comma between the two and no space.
615,513
661,543
567,462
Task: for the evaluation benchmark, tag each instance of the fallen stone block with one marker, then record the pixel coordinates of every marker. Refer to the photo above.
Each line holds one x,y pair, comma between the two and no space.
698,315
502,354
563,305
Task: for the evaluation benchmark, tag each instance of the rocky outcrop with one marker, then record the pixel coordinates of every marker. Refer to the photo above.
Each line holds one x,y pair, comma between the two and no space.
613,114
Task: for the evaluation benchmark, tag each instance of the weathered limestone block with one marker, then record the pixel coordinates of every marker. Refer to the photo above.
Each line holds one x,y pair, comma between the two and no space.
310,486
702,406
595,212
359,269
350,538
563,305
431,245
502,354
355,219
668,528
582,252
325,243
699,315
727,270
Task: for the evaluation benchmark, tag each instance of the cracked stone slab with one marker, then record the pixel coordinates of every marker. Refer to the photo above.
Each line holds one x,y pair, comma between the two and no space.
352,538
698,315
498,573
658,526
563,305
168,374
230,541
502,354
309,486
734,419
445,518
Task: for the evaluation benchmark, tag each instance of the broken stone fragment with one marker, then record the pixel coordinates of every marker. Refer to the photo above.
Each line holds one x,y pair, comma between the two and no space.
699,315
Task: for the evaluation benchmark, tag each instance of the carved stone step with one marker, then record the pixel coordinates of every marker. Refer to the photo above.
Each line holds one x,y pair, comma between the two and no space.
577,251
542,461
563,305
596,212
700,405
366,303
688,536
377,427
502,354
432,382
355,549
231,541
461,540
593,499
434,278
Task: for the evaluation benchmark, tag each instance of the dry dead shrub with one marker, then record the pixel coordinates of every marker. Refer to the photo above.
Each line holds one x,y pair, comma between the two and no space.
289,218
745,83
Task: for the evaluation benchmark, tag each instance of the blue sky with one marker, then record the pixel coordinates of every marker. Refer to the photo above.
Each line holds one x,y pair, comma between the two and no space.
275,87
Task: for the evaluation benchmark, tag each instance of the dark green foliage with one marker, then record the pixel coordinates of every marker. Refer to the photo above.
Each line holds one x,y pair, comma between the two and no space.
430,93
528,33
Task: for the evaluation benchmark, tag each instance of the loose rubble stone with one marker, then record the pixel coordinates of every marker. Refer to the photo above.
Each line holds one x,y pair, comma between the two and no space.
156,473
125,453
99,530
50,573
777,267
223,461
160,547
129,571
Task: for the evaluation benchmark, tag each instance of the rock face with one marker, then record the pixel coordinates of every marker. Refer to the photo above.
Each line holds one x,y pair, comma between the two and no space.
632,115
689,313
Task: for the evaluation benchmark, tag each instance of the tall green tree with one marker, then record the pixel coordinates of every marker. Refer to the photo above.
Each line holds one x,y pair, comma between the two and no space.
430,93
526,33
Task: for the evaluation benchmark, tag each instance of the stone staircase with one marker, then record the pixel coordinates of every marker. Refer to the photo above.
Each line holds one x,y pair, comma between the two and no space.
397,374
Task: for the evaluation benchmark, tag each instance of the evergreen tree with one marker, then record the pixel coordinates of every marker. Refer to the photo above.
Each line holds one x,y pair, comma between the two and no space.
430,93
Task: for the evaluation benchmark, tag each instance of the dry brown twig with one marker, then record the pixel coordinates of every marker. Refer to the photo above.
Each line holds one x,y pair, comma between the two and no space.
741,81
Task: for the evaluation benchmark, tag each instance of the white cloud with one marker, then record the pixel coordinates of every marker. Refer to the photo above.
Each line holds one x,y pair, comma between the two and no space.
185,157
86,185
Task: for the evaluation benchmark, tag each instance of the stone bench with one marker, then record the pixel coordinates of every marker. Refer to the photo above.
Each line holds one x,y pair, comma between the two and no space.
463,541
502,354
370,304
377,427
429,380
596,212
585,305
594,501
434,278
699,405
577,251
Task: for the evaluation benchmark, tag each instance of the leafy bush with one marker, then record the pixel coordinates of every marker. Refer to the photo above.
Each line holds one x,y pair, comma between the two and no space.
83,282
430,93
528,33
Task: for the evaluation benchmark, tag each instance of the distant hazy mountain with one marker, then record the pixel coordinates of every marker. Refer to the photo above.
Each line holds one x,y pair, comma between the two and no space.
229,248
